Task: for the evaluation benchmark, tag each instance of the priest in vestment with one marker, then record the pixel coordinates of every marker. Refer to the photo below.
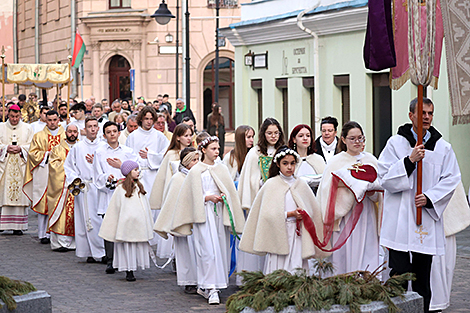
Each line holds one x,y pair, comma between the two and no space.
15,137
37,170
397,175
79,164
60,201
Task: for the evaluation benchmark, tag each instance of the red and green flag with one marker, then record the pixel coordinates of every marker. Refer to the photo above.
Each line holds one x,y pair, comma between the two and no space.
78,50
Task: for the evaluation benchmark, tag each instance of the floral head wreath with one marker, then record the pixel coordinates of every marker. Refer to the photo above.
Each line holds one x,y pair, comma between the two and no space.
285,152
207,141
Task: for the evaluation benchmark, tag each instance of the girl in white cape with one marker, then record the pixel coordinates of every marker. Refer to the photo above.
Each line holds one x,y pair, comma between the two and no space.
185,256
273,227
208,203
128,223
244,139
181,139
254,173
350,182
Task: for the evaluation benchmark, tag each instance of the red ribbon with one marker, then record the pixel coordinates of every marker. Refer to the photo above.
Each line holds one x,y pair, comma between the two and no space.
329,222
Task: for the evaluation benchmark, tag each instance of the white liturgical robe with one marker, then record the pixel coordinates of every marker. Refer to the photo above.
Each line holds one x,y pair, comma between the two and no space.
156,144
441,175
102,170
87,221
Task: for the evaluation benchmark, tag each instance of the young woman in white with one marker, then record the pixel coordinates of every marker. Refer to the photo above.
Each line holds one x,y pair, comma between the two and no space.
273,227
253,175
350,190
180,140
185,256
301,141
209,205
244,139
128,223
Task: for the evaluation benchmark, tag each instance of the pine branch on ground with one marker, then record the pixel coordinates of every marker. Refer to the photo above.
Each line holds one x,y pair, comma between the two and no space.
10,288
280,289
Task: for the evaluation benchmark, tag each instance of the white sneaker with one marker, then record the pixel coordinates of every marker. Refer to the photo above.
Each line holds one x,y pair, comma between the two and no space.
214,297
203,292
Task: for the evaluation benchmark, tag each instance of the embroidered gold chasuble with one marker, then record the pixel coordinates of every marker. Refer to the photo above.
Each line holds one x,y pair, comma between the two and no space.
37,172
12,166
59,200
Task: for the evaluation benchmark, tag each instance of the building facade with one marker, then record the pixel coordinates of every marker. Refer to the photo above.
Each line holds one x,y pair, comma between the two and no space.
276,63
120,35
6,36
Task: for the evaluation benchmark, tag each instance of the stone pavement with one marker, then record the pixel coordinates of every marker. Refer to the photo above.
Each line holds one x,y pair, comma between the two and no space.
76,286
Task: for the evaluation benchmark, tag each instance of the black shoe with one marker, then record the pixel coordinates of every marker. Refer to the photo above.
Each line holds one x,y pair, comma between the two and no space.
130,276
61,249
18,232
190,289
104,260
110,269
45,241
90,260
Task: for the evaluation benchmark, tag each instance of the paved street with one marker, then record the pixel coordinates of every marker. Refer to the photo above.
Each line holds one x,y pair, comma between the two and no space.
76,286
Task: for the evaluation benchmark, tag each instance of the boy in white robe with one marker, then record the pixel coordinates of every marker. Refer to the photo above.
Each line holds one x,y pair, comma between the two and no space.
79,164
107,170
397,175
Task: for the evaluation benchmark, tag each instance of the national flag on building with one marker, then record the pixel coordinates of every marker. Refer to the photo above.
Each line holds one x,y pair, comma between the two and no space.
78,50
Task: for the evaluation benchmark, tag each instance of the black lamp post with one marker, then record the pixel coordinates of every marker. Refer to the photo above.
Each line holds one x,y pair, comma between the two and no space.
163,16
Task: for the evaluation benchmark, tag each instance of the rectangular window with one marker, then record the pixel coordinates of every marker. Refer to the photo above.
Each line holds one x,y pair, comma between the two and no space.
382,110
223,4
119,4
257,85
309,83
281,83
342,82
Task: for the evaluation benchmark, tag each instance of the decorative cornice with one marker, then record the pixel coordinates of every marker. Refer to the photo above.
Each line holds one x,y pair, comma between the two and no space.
327,23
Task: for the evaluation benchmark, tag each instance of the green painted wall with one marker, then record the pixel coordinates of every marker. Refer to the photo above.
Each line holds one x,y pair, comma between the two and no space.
338,55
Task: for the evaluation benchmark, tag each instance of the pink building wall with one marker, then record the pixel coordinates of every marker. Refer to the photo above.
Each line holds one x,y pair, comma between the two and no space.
6,36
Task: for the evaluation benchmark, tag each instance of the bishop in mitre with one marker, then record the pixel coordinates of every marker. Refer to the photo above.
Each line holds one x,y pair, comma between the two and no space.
15,137
37,170
60,200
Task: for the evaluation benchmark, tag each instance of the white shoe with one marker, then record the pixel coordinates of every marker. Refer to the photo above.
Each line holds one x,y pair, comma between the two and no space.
203,292
214,297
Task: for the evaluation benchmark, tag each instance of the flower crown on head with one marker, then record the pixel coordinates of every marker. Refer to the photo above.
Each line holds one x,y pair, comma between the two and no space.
283,153
206,141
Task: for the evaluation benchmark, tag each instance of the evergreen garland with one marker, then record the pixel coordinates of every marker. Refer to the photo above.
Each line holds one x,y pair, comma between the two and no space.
10,288
281,289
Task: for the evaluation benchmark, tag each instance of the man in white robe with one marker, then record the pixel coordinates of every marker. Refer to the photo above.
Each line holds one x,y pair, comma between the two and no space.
15,137
131,126
149,144
78,111
79,164
41,123
106,168
397,175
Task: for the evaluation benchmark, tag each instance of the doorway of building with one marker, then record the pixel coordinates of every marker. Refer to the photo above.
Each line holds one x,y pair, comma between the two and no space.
226,90
119,81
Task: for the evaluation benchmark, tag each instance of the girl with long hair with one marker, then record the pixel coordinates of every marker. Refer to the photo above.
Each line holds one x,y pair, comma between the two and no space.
311,165
209,205
274,226
185,256
128,223
244,138
350,198
181,139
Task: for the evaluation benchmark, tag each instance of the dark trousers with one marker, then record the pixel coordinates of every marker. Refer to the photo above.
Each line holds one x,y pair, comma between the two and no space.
109,250
400,263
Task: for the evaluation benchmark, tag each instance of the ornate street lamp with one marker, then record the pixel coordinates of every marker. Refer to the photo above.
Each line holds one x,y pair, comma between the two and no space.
162,16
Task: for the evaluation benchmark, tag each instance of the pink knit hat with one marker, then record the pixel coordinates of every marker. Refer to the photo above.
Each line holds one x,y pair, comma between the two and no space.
128,166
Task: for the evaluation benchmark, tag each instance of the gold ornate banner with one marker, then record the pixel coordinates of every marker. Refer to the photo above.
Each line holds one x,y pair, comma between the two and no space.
40,75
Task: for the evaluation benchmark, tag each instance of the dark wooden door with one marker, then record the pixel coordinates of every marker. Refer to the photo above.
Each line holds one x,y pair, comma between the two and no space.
119,80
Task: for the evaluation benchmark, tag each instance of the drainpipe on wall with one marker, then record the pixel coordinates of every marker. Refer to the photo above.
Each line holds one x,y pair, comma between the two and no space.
37,58
15,37
316,78
73,26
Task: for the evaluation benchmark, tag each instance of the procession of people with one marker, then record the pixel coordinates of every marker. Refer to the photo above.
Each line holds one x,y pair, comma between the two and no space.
127,185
